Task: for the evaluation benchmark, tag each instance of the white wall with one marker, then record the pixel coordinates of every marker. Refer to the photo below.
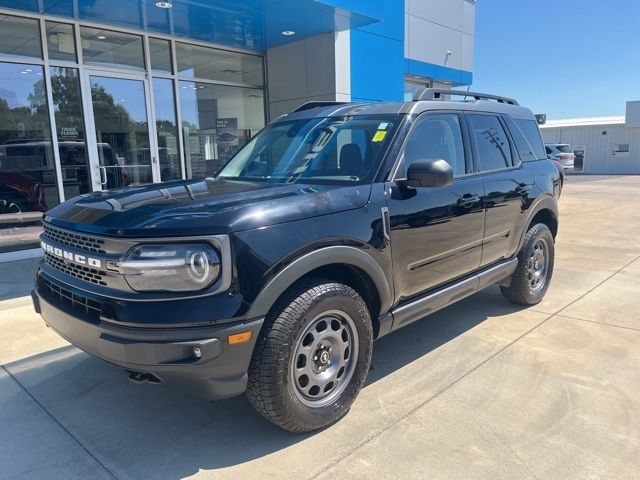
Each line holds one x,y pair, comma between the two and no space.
598,157
314,68
433,27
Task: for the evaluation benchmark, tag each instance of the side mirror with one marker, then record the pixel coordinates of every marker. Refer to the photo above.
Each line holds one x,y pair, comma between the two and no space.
429,173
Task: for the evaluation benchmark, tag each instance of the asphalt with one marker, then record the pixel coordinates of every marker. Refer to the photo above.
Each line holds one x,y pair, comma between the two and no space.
479,390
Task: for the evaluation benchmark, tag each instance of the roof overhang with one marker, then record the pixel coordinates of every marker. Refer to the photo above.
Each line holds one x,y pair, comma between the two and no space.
248,24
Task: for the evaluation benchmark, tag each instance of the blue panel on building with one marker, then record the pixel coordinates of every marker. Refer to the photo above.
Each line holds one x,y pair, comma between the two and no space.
377,67
377,57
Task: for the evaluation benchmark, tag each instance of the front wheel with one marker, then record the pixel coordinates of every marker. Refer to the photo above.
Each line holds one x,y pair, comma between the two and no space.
531,279
312,356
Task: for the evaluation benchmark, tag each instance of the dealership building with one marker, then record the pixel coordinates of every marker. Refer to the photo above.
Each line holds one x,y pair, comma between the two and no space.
100,94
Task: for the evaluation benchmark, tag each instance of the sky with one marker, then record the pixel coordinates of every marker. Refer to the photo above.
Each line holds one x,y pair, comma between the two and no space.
565,58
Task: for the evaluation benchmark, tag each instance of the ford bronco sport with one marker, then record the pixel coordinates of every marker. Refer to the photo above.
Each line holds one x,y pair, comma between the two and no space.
334,226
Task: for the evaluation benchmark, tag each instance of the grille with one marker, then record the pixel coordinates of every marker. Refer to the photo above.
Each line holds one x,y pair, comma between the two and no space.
77,302
76,240
84,273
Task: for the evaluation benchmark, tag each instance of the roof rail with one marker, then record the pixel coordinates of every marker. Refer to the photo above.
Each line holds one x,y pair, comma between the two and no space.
437,94
315,104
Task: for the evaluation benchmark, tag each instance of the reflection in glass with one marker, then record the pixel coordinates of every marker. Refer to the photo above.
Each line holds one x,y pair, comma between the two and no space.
217,121
65,90
113,49
20,37
160,54
218,65
60,42
167,128
27,170
122,131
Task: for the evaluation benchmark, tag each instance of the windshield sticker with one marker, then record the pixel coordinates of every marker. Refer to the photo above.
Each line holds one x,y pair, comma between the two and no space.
379,136
383,126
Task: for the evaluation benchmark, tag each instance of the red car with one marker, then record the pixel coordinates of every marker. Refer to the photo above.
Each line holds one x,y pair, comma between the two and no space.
20,193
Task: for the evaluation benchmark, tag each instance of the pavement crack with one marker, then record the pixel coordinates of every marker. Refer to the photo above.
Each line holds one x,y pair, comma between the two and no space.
65,429
569,317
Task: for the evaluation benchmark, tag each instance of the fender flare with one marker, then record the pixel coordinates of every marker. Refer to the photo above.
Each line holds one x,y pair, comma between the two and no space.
545,203
319,258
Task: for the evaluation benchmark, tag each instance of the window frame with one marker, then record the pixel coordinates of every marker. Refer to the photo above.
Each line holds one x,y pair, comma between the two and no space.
396,173
516,163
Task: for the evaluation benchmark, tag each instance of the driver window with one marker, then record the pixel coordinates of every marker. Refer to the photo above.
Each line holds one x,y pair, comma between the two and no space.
437,137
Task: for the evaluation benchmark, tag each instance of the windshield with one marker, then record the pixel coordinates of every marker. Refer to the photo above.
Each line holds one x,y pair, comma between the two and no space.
321,150
564,148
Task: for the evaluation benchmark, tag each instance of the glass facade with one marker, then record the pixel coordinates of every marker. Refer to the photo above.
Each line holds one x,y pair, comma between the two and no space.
84,108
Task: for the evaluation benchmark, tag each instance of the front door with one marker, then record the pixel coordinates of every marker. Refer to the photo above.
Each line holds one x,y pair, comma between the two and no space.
121,139
436,232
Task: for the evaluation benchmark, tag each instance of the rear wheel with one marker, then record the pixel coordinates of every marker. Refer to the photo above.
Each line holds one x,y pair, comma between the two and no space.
312,356
531,279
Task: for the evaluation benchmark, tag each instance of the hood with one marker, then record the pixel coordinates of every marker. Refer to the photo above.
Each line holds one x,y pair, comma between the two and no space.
202,207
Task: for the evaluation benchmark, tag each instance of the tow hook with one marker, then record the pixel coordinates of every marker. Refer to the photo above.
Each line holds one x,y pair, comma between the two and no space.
143,377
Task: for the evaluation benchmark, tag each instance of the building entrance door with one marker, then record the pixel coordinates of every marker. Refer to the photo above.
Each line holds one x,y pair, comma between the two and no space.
121,137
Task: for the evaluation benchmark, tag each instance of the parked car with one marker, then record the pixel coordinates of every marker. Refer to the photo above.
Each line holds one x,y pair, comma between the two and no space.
561,153
336,225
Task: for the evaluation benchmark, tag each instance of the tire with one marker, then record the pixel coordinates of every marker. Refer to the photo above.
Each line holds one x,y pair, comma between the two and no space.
532,277
293,344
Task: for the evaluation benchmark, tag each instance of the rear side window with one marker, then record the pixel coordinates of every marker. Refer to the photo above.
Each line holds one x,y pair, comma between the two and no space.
525,149
564,148
530,130
492,144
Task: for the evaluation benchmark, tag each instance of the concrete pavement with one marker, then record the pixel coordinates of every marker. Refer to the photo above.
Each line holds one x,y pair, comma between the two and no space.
479,390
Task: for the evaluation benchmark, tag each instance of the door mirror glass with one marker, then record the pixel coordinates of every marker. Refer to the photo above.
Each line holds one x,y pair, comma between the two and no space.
429,173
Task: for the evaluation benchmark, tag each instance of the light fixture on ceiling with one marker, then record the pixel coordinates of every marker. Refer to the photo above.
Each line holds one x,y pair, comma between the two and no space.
101,37
288,33
164,4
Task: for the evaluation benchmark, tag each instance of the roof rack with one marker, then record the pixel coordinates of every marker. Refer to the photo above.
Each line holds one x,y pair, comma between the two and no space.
315,104
437,94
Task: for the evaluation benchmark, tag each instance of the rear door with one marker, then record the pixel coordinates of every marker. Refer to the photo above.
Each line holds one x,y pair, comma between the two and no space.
436,232
506,184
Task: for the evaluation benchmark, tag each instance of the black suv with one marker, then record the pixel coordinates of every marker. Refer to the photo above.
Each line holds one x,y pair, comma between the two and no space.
334,226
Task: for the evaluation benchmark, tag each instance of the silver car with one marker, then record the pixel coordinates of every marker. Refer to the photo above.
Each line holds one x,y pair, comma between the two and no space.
561,153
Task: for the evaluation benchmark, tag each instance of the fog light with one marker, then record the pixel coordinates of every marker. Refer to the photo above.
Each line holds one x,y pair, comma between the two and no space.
197,352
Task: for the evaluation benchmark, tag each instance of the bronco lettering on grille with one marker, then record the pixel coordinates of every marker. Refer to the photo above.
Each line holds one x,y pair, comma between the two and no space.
71,256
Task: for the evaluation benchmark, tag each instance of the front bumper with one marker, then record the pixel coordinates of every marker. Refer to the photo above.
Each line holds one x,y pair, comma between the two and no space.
167,354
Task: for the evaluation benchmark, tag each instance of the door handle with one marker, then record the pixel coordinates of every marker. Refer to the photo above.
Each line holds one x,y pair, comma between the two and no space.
523,188
103,175
468,199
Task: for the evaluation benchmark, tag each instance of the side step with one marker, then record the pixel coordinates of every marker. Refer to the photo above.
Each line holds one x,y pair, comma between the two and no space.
422,307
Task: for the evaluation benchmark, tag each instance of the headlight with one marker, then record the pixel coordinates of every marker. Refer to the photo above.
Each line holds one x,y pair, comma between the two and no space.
182,267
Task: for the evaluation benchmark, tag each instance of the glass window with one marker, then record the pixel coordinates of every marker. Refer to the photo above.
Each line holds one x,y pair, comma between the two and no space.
525,150
216,121
61,43
113,49
20,37
218,65
532,133
492,145
160,53
437,137
413,89
67,105
167,128
564,148
28,184
122,131
318,150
